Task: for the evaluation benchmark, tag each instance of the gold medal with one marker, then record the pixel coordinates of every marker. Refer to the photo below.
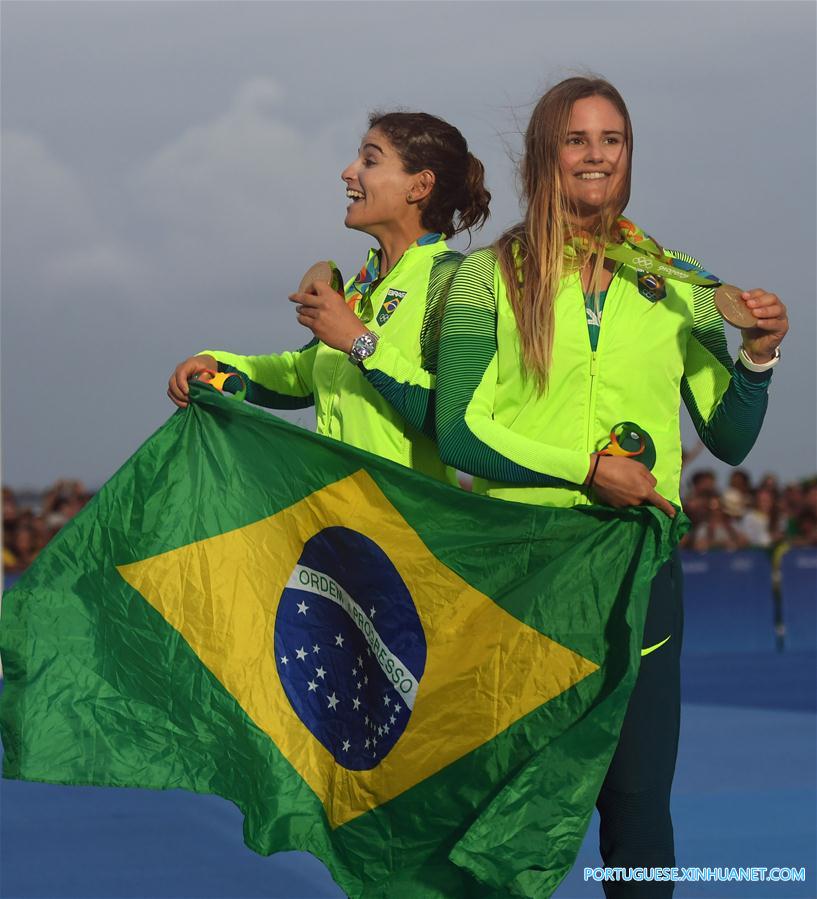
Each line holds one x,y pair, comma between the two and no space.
732,308
322,271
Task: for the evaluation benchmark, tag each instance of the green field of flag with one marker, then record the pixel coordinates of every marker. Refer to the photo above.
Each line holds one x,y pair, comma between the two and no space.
421,687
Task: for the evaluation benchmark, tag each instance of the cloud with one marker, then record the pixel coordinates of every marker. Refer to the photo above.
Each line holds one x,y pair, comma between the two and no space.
234,208
227,199
54,244
40,196
237,206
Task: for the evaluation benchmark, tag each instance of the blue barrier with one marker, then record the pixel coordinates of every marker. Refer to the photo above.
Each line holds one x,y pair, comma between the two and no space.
798,584
728,602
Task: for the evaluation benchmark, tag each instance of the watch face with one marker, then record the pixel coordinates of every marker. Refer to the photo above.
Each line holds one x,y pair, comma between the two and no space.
363,347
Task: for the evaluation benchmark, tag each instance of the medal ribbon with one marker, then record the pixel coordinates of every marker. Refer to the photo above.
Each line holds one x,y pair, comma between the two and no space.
639,251
359,289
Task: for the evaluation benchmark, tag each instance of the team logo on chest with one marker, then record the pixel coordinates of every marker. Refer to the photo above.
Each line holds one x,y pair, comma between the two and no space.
392,301
651,287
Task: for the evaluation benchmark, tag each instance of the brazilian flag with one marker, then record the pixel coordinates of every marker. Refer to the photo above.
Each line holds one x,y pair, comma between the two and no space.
421,687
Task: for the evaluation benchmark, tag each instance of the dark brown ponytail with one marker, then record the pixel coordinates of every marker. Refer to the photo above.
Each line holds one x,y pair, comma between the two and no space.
459,200
473,212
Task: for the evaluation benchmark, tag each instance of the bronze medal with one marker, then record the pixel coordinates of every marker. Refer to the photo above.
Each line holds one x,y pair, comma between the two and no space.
320,271
732,308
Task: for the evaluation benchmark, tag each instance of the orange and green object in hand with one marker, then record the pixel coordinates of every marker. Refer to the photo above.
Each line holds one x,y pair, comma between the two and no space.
630,440
227,382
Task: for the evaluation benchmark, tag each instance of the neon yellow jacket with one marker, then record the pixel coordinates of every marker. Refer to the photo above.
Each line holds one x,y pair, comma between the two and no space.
385,406
520,445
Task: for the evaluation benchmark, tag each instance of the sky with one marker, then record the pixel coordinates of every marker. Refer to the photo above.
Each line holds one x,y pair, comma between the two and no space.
170,169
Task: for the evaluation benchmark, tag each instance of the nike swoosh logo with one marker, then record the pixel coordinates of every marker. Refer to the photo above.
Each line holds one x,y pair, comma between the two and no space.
649,649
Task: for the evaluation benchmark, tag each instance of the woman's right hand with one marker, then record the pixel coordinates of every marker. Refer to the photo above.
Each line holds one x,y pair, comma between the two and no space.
620,481
195,366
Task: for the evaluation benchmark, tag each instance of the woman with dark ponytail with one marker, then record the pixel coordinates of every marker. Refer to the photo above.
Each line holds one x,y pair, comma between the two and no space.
426,142
413,183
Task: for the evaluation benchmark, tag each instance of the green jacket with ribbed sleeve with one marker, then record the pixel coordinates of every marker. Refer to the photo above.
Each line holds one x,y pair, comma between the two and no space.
531,447
385,405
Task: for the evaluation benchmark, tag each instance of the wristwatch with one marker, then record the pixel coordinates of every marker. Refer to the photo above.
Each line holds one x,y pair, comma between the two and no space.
363,347
759,366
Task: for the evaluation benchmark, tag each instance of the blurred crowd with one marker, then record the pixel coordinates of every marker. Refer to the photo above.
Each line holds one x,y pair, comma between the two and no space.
27,528
766,514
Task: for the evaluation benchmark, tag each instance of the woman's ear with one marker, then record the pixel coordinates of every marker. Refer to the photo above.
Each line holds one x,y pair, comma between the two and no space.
421,186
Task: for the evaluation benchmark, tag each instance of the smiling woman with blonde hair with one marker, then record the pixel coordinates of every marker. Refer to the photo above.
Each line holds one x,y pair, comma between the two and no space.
413,183
566,350
553,200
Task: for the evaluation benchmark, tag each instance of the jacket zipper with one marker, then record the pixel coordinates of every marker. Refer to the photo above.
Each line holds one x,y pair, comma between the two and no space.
379,283
592,400
594,365
331,404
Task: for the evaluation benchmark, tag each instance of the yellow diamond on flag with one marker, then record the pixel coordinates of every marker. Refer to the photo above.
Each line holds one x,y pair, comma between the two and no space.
483,670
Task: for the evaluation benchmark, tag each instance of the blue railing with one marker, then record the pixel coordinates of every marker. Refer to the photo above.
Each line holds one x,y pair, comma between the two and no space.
750,601
744,601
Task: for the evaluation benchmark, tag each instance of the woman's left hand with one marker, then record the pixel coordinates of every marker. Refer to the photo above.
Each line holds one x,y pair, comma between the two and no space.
771,325
325,313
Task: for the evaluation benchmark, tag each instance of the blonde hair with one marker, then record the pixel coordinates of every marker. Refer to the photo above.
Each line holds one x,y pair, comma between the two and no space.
531,254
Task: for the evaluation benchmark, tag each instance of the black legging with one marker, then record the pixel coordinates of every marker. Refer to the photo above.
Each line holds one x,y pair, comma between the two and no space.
634,802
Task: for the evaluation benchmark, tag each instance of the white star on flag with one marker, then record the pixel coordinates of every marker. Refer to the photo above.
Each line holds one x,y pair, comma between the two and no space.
372,612
316,648
367,743
302,607
284,660
346,745
392,719
301,653
333,701
386,699
320,672
360,661
312,686
338,640
355,703
397,708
